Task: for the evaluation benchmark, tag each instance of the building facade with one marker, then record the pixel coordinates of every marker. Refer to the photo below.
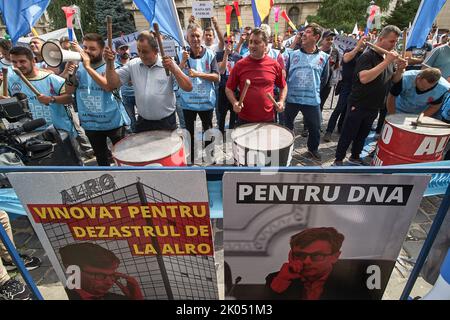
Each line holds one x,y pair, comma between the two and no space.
297,10
443,19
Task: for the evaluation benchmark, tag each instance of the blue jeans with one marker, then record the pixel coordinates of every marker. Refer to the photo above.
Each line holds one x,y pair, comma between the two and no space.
311,118
129,103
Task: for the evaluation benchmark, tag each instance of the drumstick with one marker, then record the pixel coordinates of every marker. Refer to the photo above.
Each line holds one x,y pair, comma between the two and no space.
244,92
5,81
110,64
274,102
160,45
405,34
27,82
380,50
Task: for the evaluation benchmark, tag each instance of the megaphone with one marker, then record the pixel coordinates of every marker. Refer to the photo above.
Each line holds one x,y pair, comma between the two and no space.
54,55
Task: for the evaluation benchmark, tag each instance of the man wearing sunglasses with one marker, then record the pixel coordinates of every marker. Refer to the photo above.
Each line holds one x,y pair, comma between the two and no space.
311,259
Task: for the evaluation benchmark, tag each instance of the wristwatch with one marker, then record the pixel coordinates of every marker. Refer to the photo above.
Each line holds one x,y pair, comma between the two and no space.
53,100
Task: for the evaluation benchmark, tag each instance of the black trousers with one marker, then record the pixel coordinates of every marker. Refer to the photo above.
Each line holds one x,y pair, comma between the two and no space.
224,106
324,93
357,125
168,123
381,118
98,140
190,117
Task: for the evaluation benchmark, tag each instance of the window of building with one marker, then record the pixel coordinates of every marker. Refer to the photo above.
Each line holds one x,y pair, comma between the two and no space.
234,21
181,17
294,15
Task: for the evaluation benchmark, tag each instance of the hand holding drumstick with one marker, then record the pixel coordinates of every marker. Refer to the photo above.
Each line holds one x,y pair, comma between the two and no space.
239,105
279,106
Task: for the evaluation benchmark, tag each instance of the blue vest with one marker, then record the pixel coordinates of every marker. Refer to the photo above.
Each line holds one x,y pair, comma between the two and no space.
273,53
98,110
50,85
203,96
445,109
410,102
304,76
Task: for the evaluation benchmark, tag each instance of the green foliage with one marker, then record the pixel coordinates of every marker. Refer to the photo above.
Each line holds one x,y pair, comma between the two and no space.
343,14
58,19
93,16
122,18
404,13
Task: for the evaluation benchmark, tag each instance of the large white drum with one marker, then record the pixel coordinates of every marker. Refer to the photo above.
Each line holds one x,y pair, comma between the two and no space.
262,144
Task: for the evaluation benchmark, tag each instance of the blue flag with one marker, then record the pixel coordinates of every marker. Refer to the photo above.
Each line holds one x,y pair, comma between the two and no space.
21,15
165,14
425,16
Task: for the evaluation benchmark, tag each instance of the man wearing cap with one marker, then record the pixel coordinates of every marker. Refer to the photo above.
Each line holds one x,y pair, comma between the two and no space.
154,90
127,90
326,45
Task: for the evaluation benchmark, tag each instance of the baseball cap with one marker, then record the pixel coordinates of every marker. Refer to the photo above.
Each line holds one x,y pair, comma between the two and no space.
328,33
120,43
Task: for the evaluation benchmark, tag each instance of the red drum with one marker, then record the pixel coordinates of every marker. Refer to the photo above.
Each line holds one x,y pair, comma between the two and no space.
151,148
402,143
262,144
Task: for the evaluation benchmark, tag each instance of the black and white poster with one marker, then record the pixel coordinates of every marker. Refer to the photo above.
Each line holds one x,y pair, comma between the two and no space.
315,236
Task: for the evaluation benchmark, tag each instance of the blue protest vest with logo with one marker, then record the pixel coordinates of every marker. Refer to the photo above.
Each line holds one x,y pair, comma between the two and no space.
410,102
304,76
203,96
444,112
98,110
50,85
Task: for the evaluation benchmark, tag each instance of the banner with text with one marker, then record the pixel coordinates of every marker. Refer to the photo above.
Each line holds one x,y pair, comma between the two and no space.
315,236
127,235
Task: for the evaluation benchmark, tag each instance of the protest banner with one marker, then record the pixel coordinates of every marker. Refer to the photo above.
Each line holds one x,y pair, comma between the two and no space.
342,43
202,9
315,236
143,235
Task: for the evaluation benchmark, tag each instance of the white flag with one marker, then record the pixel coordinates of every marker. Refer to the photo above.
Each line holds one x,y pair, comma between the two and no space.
306,23
435,38
355,29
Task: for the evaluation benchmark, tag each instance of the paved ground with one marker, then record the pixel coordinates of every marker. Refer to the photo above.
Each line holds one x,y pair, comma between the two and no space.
50,287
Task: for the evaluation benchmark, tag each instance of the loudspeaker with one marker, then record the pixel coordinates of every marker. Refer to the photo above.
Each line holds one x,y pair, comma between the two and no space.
54,55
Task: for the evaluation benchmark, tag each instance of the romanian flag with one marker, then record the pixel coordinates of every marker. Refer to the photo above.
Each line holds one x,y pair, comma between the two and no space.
261,10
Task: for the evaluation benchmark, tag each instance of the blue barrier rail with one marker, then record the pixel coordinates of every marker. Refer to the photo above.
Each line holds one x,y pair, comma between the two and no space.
214,176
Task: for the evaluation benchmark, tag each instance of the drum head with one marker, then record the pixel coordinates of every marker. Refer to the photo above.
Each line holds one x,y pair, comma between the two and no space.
147,146
404,121
262,136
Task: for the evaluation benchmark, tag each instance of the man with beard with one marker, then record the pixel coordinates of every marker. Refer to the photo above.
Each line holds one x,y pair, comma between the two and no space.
101,112
50,104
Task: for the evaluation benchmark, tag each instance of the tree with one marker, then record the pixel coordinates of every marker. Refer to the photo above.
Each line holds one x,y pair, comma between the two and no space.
404,13
58,19
122,18
343,14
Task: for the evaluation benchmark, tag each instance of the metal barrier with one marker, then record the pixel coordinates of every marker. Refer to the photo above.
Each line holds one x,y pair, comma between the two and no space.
216,174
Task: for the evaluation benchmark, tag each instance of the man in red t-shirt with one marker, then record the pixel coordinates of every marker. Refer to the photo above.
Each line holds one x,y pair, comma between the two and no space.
264,73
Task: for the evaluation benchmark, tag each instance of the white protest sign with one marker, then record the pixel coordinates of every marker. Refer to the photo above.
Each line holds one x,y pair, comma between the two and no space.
169,48
343,43
202,9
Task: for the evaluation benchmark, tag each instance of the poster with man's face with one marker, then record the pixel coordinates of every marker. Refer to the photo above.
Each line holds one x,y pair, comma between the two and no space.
311,236
114,235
